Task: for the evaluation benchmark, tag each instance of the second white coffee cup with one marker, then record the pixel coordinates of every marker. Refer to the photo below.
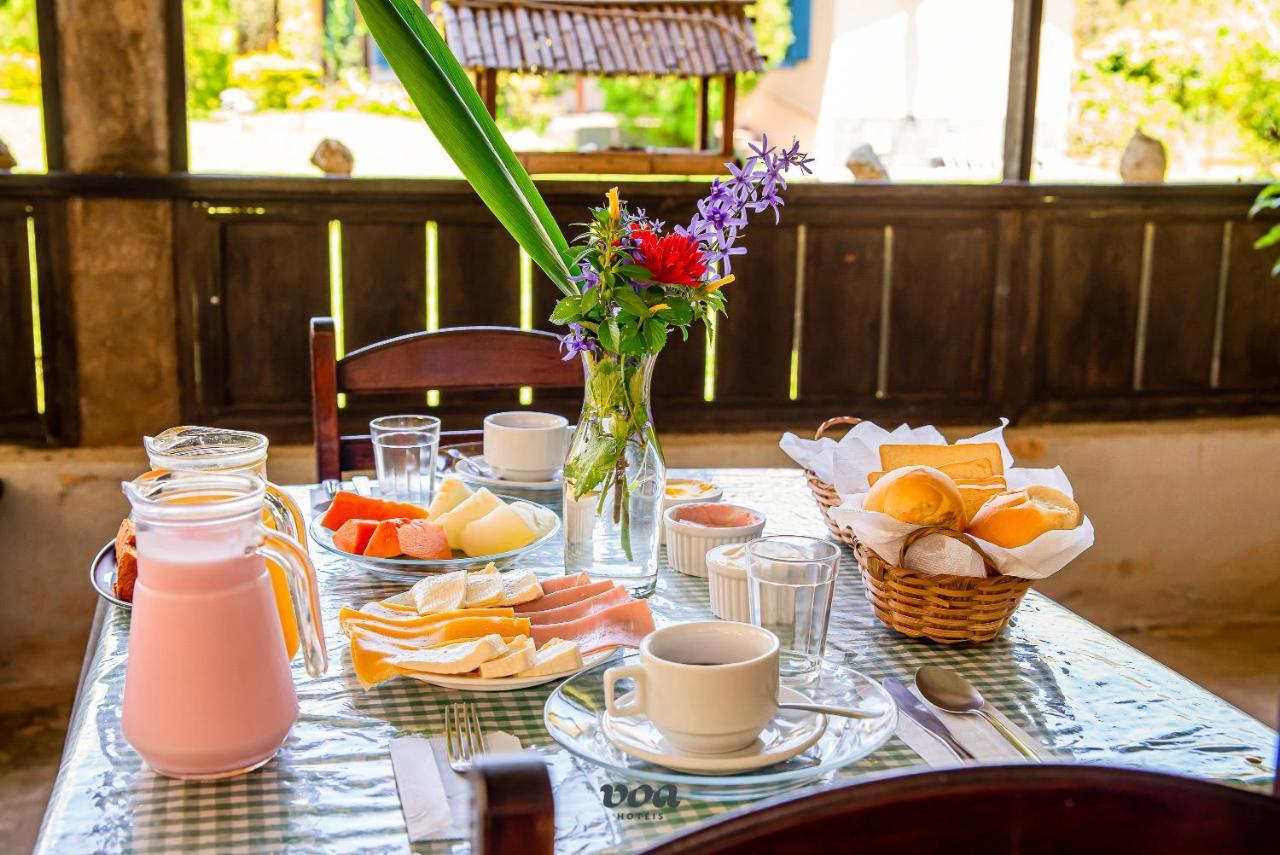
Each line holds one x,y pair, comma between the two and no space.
526,446
709,687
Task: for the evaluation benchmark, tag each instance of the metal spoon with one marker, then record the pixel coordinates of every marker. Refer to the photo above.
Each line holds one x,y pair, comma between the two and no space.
947,690
847,712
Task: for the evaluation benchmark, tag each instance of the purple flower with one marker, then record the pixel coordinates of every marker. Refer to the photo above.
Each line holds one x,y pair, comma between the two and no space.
588,278
575,341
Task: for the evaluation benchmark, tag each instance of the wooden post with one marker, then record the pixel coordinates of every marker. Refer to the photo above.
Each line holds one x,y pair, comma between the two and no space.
726,125
487,84
1024,67
701,133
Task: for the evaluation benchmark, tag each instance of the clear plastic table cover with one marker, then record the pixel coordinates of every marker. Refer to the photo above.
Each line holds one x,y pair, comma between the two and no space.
1084,693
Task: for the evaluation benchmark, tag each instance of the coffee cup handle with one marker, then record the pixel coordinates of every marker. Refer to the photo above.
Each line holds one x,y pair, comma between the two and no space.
636,705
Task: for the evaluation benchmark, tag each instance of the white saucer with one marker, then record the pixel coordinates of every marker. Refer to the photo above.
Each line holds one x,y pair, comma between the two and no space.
790,733
477,471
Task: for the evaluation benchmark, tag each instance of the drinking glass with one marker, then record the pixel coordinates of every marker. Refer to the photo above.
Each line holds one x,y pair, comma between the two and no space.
404,453
791,580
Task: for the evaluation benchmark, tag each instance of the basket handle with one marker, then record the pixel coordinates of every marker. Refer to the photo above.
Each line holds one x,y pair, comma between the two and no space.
924,531
830,423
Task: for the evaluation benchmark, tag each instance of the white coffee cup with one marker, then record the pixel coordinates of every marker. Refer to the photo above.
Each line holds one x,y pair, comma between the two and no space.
709,687
526,446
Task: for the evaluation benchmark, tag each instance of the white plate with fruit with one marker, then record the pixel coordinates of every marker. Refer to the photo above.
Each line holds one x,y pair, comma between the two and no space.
462,529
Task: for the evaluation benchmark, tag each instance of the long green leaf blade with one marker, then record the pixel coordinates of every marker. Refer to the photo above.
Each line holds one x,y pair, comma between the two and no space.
453,110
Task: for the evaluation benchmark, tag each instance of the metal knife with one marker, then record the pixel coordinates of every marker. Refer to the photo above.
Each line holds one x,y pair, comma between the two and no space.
923,716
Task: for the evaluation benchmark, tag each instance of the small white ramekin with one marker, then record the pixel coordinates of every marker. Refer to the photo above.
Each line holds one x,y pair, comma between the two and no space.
689,543
715,494
727,582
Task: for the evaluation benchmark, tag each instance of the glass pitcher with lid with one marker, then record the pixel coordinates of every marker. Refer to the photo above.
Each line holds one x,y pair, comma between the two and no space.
208,689
191,448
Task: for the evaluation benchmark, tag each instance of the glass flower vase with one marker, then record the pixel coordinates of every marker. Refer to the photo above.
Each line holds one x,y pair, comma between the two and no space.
615,475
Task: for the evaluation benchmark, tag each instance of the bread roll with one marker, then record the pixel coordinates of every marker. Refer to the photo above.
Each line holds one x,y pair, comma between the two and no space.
961,457
1017,518
920,495
126,560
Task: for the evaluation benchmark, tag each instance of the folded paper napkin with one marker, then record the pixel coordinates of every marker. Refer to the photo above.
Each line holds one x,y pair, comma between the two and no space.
846,464
435,799
973,732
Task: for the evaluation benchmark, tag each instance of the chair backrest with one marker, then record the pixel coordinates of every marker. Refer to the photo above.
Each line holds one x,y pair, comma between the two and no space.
1001,809
457,358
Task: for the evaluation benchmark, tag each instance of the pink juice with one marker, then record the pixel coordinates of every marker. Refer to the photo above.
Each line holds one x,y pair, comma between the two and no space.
208,691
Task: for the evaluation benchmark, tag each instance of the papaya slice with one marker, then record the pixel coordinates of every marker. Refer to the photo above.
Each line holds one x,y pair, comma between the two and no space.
353,535
423,539
385,543
352,506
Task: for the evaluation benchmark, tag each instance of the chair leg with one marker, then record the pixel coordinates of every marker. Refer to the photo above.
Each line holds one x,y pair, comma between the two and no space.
512,809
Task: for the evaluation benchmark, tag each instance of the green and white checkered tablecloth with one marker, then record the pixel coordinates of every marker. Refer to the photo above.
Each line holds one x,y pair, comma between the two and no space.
1085,694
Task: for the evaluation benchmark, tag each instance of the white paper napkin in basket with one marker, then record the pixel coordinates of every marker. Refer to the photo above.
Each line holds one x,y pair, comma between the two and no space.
846,464
435,799
982,740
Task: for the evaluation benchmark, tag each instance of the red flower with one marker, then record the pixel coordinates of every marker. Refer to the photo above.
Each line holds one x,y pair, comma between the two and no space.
672,259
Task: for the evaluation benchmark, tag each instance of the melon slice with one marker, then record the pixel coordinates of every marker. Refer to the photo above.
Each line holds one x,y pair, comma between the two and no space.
472,508
353,535
424,539
500,530
352,506
451,494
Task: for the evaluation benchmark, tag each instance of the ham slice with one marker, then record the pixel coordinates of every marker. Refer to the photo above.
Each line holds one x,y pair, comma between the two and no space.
716,516
623,625
559,583
582,608
564,597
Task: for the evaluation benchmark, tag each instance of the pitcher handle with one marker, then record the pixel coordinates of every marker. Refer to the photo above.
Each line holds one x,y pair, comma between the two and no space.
304,591
285,513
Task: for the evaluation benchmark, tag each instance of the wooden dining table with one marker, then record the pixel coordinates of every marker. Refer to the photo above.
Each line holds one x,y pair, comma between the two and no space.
1083,694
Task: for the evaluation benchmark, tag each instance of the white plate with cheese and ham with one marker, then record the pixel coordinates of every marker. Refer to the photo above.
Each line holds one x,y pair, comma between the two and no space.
489,631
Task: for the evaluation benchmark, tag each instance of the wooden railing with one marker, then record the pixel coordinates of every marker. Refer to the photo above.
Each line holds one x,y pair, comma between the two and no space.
940,303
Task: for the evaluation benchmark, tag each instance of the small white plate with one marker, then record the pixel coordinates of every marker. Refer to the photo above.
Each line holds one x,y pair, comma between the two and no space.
477,471
464,683
790,733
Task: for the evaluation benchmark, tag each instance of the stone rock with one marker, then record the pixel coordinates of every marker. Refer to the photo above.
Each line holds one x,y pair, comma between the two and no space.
333,158
865,165
7,160
1144,159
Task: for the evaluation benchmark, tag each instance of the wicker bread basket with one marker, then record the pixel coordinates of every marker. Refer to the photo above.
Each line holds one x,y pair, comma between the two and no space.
946,609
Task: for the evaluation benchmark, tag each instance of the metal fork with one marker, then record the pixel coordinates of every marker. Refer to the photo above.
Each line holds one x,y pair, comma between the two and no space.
463,736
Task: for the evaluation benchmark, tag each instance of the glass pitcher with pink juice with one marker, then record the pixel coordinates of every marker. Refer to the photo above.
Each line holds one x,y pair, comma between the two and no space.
208,690
190,448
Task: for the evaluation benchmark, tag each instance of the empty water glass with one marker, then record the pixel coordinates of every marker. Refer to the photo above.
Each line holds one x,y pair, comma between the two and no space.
790,584
404,453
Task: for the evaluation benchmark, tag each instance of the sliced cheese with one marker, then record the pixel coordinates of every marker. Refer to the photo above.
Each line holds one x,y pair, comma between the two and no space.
500,530
556,657
440,593
451,494
456,658
520,656
520,587
410,627
483,590
471,509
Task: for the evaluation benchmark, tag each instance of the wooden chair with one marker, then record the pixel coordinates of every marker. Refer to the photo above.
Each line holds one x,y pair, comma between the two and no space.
1023,809
451,359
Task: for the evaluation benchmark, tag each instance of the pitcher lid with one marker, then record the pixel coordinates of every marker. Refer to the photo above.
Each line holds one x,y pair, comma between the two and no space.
196,447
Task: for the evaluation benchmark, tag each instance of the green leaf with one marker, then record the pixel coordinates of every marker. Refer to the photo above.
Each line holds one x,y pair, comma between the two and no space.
679,311
589,300
631,301
566,310
452,108
636,272
604,383
1271,238
609,335
655,335
589,467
